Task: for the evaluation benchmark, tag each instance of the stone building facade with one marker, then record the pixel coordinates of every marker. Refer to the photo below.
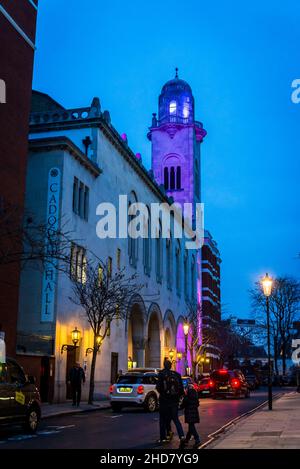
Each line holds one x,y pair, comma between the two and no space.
78,160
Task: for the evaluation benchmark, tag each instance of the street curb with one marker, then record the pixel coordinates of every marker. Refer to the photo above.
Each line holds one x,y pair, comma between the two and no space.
215,435
74,412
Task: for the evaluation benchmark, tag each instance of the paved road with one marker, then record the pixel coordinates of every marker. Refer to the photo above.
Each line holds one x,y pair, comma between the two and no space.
132,428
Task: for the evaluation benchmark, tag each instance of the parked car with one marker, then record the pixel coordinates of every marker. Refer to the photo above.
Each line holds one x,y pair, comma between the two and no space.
135,388
205,387
229,383
19,396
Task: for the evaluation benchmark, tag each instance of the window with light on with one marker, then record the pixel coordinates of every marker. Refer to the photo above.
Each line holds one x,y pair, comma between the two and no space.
172,108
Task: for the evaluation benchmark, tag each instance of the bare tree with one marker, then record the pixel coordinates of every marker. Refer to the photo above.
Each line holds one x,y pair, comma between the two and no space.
24,240
284,311
104,297
196,347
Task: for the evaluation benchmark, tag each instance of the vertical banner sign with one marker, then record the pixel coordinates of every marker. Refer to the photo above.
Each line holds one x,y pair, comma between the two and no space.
52,222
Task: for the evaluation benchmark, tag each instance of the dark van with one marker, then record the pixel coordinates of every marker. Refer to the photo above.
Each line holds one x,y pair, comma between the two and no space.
19,396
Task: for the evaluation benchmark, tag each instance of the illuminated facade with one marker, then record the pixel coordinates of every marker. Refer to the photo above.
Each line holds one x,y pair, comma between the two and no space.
78,155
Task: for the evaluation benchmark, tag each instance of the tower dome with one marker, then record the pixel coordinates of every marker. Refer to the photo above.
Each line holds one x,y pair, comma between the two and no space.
176,102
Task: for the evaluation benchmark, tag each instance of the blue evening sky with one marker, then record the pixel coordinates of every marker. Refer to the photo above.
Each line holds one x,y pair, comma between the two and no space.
240,59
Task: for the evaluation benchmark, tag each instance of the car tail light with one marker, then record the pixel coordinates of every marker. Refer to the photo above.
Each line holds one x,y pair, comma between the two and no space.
222,372
111,389
235,383
140,390
211,383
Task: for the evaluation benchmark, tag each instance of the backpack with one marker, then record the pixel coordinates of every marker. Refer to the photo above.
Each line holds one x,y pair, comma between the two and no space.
170,385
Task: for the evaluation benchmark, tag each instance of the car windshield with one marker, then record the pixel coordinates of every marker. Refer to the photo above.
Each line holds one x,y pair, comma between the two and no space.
130,379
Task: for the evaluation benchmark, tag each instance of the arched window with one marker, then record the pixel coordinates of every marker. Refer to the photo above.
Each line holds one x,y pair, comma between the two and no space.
169,259
147,244
158,255
178,177
132,242
173,108
185,270
178,279
172,178
166,178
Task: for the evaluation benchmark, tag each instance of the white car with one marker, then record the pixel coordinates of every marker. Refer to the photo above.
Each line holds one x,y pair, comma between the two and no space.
135,388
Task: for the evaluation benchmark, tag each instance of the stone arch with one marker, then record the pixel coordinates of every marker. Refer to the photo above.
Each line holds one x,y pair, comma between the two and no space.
154,332
169,332
135,328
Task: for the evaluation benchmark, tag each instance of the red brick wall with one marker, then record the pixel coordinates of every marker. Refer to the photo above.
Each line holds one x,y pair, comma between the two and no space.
16,59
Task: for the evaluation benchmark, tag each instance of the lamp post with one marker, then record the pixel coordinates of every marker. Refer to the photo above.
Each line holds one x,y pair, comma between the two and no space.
186,328
267,283
75,334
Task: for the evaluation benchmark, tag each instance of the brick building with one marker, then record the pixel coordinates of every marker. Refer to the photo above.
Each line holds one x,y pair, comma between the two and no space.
17,36
211,299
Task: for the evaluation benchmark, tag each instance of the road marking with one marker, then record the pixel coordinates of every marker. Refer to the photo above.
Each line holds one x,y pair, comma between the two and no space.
21,437
116,416
60,427
48,432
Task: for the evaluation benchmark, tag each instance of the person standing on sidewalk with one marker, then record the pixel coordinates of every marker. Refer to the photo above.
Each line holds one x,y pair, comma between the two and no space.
170,390
191,414
77,377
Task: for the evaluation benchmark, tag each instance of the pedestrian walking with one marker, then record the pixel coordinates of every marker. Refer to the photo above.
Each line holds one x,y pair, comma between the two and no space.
77,377
191,414
170,390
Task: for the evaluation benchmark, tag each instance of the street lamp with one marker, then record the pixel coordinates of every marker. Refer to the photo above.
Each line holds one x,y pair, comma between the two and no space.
186,328
98,343
171,354
75,334
267,283
179,355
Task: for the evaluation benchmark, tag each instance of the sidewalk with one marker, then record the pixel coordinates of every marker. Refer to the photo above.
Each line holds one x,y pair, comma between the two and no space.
264,429
52,410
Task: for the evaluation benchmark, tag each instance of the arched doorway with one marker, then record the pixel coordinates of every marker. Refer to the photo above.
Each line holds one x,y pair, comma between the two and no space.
136,336
153,350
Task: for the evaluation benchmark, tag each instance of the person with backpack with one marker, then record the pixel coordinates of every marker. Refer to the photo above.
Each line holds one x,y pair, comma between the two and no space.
170,390
190,405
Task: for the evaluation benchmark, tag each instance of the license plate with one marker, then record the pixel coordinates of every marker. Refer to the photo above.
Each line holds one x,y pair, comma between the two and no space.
223,387
205,392
125,390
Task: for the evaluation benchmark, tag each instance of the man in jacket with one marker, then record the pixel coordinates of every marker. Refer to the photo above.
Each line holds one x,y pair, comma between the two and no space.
170,390
77,377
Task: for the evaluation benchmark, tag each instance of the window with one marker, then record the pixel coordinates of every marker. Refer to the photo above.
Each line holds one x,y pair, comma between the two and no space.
185,270
172,178
173,108
78,263
80,199
169,263
118,258
158,255
178,279
15,373
178,177
166,178
147,245
132,242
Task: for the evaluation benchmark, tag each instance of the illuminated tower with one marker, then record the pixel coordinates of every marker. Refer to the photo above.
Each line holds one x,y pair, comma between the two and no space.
176,138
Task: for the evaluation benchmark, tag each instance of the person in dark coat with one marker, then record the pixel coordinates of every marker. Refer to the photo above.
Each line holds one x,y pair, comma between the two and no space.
170,390
77,377
191,414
